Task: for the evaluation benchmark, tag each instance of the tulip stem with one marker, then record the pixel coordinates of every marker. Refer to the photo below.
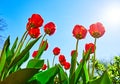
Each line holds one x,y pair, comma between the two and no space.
53,60
94,57
28,41
77,45
44,36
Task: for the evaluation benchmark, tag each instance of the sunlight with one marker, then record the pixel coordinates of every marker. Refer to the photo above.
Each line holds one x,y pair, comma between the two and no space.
111,15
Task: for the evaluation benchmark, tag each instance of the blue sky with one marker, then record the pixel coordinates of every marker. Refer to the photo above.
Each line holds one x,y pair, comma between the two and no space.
65,14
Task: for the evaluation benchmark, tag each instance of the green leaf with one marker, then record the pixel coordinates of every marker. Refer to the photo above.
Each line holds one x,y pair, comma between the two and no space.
85,73
47,76
104,79
14,45
9,56
2,59
35,63
79,71
20,56
3,54
87,55
73,66
63,76
20,77
24,59
10,53
76,74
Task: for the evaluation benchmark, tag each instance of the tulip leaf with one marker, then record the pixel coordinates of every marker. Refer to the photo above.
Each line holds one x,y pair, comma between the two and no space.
20,77
35,63
14,45
76,74
104,79
85,75
3,54
20,56
10,53
79,71
73,65
24,59
63,78
46,77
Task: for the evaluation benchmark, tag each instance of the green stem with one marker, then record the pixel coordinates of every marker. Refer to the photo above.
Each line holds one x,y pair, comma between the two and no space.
94,57
28,41
53,60
89,69
77,46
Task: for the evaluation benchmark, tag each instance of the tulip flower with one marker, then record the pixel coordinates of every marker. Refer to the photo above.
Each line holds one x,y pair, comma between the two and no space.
97,30
34,32
56,51
79,32
49,28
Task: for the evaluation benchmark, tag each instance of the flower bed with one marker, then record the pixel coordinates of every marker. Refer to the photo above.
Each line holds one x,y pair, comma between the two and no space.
37,72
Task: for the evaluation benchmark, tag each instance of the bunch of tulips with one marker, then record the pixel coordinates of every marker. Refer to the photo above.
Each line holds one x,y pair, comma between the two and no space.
39,72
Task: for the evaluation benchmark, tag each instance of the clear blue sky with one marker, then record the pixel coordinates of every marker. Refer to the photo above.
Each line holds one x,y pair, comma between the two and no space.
65,14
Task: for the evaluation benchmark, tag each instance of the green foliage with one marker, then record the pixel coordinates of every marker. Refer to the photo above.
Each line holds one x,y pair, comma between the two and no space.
46,77
10,53
114,70
81,71
104,79
10,61
63,78
20,76
3,54
35,63
11,73
20,56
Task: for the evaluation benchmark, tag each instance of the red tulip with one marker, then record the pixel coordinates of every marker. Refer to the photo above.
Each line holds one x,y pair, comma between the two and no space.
35,53
34,32
67,65
56,51
62,58
35,21
88,46
49,28
79,32
97,30
44,67
63,63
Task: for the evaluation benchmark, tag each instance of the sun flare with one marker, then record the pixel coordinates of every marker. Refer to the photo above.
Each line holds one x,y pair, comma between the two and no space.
111,15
